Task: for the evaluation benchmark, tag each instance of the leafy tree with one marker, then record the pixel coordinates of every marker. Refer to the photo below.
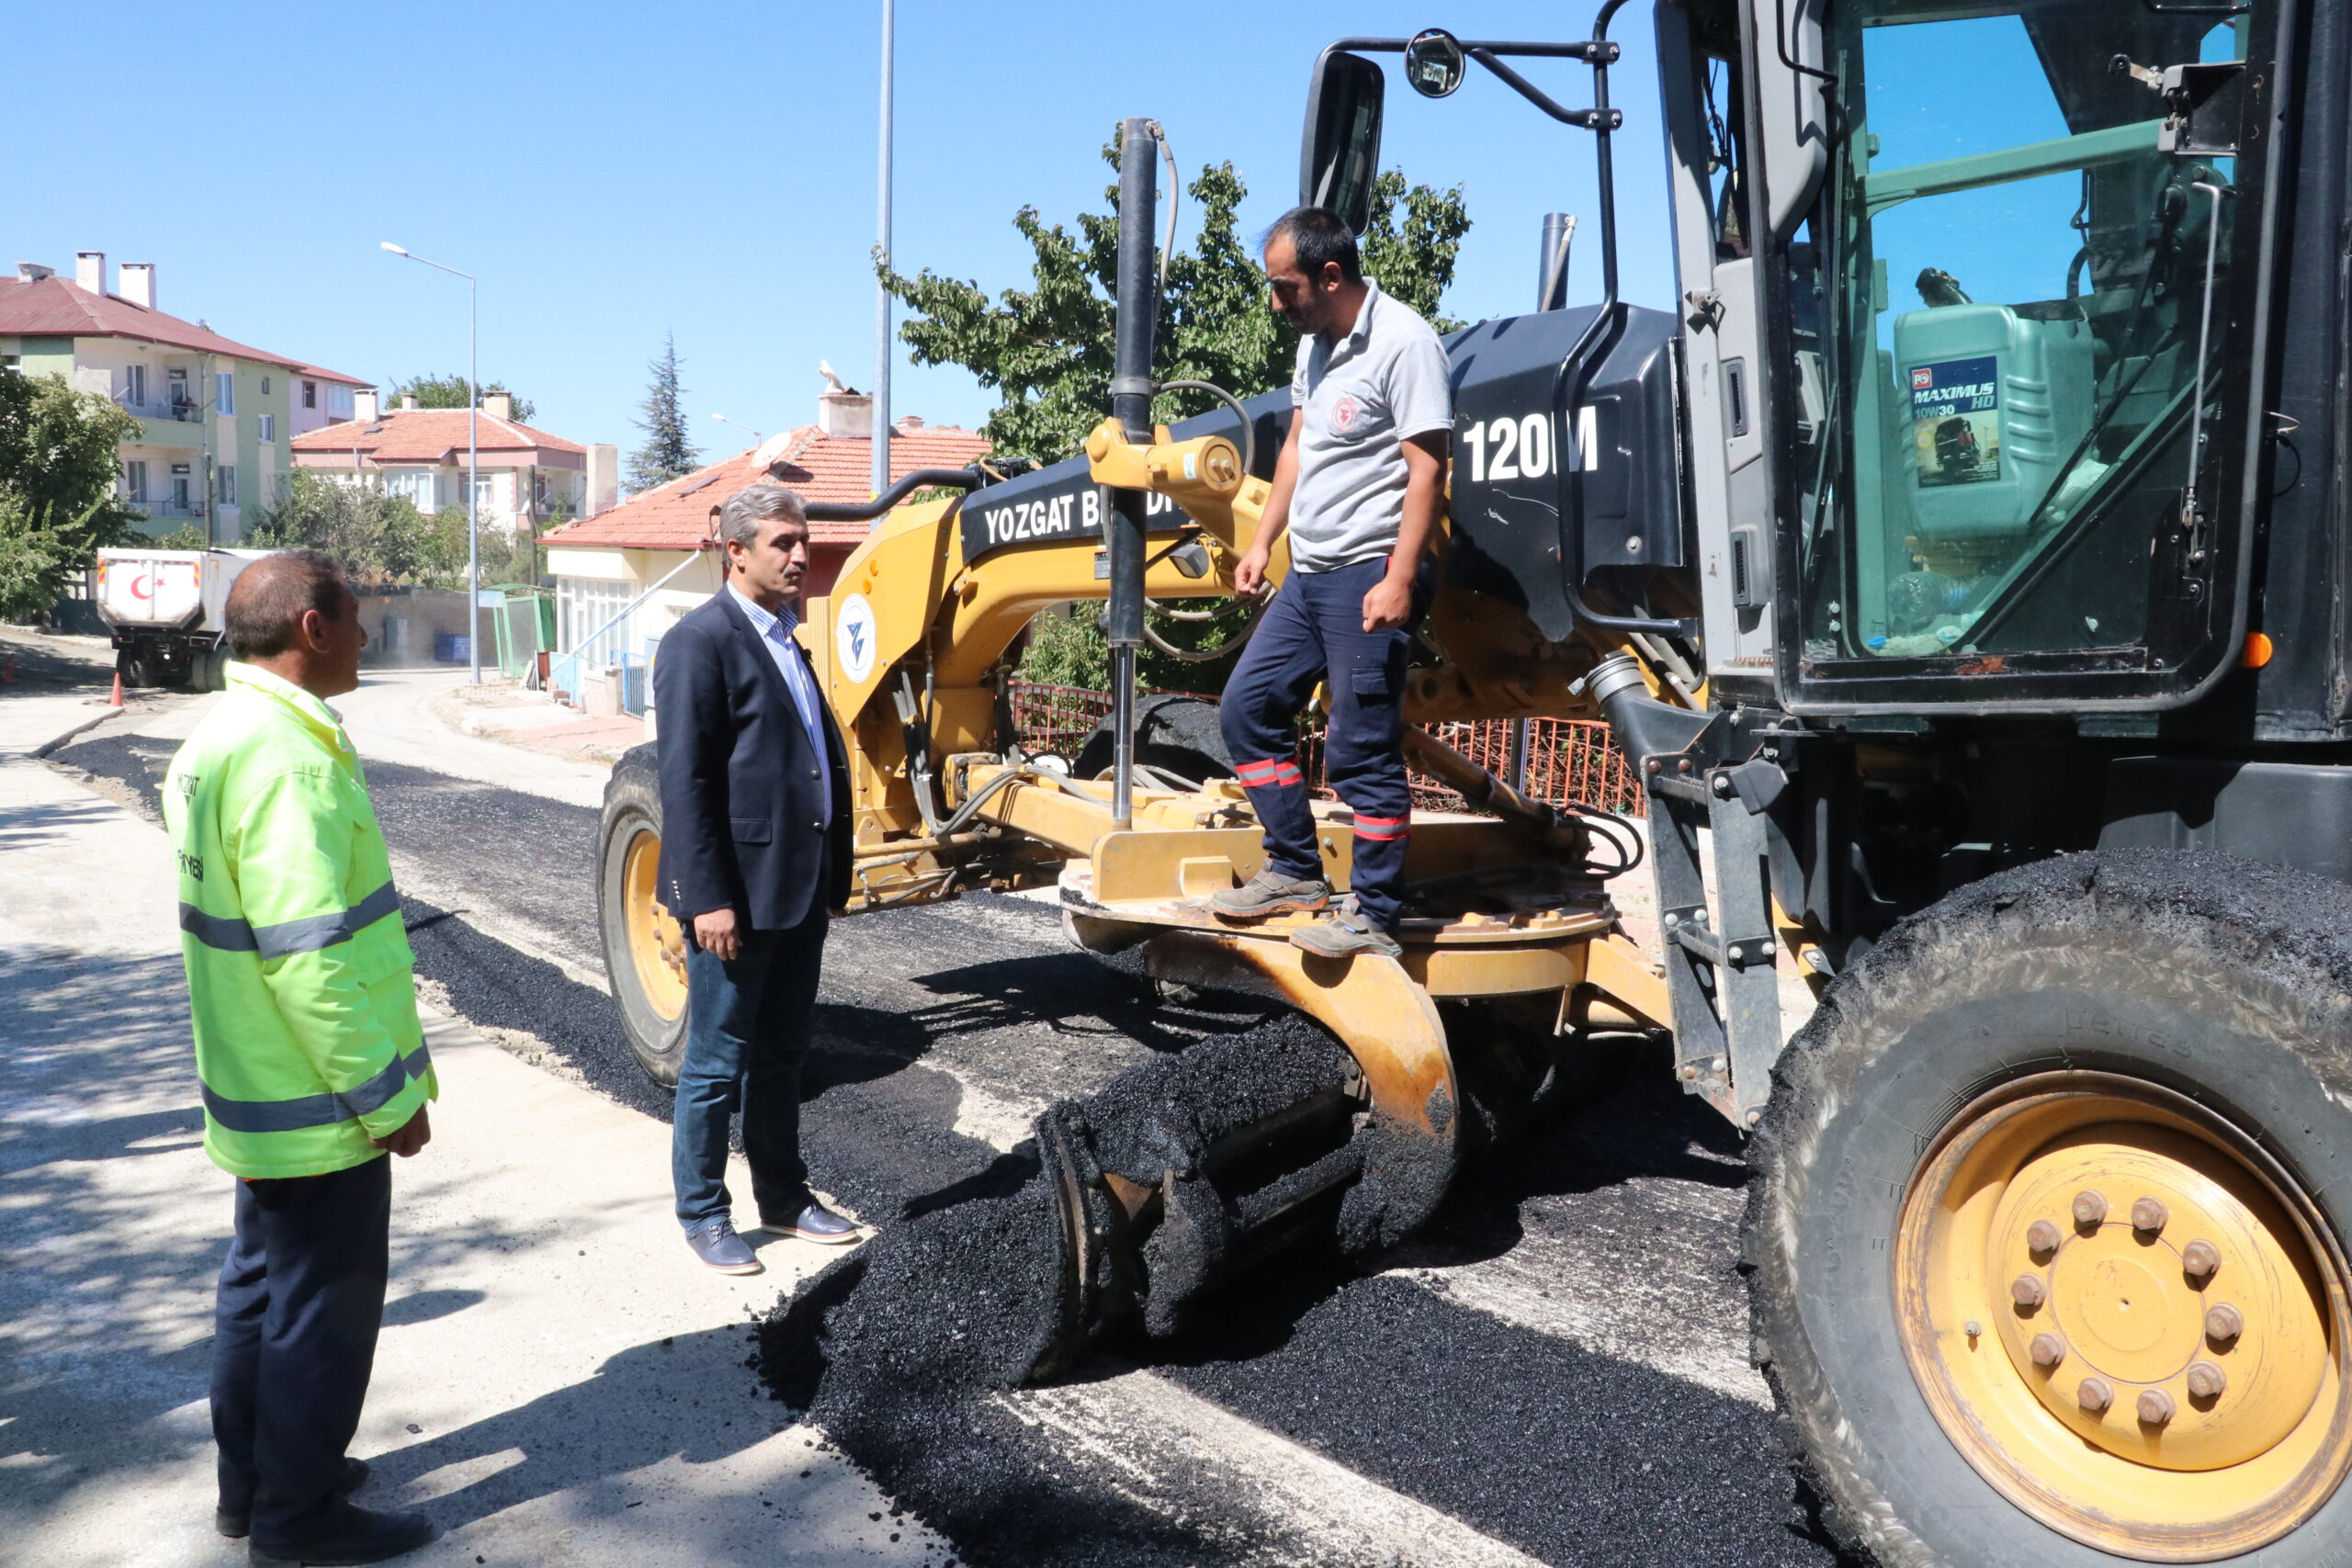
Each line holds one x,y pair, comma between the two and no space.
374,537
667,454
454,391
1046,350
58,472
188,536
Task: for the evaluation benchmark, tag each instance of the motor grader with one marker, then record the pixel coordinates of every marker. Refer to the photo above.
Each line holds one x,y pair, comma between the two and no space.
1983,659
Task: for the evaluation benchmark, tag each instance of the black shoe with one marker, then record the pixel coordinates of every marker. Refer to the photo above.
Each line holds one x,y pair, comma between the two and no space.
357,1535
237,1523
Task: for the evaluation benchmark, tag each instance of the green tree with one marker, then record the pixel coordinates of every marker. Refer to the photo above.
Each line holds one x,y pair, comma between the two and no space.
375,537
667,454
1046,349
454,391
58,505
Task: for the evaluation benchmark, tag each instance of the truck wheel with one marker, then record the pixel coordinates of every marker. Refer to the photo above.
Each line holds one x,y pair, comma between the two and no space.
645,950
2046,1263
1178,734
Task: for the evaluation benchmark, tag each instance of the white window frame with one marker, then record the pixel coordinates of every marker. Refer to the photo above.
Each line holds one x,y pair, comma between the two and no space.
224,393
134,480
309,394
583,603
415,484
269,427
134,385
224,484
486,494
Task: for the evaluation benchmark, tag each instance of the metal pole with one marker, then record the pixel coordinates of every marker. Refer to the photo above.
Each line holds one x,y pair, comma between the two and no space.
1131,406
473,478
881,475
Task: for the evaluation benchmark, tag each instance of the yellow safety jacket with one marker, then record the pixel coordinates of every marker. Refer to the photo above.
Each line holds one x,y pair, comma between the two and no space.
298,971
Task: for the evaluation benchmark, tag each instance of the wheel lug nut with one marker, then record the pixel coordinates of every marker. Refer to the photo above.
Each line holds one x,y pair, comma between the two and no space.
2090,1208
2224,1323
2206,1381
2041,1236
2095,1395
2148,1216
2048,1350
2198,1259
2155,1407
2028,1290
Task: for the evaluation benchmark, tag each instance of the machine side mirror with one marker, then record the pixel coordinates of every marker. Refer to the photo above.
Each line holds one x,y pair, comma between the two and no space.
1341,153
1434,64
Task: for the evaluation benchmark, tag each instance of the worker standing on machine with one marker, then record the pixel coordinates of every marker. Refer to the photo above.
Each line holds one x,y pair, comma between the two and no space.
1358,488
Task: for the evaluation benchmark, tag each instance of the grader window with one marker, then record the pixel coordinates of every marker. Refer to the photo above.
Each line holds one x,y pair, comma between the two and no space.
2001,294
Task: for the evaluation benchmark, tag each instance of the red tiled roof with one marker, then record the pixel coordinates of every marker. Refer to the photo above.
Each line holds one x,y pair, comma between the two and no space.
323,374
57,307
676,516
427,436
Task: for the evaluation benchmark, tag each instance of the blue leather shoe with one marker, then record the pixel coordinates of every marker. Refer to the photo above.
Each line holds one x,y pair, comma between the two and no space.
716,1242
236,1522
816,1222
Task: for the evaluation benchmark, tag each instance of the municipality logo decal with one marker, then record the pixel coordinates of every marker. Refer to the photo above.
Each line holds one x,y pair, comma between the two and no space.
1343,413
854,638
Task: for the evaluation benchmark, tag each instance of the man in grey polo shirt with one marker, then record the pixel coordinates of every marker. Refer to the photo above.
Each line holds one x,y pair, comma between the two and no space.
1358,490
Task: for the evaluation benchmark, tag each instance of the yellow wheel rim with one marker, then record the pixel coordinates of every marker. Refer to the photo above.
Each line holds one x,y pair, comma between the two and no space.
2128,1318
657,947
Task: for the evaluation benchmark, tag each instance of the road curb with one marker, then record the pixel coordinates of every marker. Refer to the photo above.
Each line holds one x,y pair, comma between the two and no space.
42,751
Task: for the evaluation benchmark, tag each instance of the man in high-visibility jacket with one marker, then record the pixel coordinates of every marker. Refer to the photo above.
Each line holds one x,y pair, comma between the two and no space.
310,1055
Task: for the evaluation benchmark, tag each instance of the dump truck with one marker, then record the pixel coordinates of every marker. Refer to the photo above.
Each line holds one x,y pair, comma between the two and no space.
164,609
2036,765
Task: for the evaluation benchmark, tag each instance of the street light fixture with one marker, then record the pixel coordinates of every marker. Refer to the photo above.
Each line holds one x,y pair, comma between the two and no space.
739,426
473,457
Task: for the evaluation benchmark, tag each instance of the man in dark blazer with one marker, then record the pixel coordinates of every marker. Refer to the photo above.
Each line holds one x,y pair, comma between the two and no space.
755,859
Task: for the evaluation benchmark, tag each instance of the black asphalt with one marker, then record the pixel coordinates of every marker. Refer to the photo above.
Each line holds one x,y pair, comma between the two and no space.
1570,1456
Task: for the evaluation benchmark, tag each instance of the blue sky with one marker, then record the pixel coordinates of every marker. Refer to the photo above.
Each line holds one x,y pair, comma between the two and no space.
709,170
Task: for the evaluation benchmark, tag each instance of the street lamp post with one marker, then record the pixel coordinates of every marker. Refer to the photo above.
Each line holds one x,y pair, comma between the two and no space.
473,458
756,435
881,412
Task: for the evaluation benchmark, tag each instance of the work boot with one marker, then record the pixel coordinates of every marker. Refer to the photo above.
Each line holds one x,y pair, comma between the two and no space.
715,1242
1271,892
356,1535
1346,933
813,1223
236,1520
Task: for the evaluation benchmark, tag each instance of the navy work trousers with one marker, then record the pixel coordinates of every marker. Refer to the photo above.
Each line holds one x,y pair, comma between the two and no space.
1314,631
747,1030
293,1344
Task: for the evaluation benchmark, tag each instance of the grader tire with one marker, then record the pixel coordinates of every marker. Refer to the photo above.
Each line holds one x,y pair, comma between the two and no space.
1968,1136
644,949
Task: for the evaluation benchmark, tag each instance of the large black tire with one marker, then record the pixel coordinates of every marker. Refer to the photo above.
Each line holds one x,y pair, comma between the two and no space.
1178,734
656,1026
2219,980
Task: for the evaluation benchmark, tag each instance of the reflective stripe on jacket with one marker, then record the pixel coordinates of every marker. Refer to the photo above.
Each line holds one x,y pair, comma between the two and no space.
299,972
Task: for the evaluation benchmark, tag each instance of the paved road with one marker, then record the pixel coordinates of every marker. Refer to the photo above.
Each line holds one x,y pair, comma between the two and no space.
1554,1371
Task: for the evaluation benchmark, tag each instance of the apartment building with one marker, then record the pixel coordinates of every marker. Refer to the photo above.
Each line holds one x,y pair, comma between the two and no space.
523,477
217,418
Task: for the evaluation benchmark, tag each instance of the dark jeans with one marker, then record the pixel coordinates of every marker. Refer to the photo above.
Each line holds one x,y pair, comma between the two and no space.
1314,631
294,1341
747,1029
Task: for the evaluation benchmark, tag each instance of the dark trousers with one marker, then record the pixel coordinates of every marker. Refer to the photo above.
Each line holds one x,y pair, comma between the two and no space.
1314,631
294,1341
747,1030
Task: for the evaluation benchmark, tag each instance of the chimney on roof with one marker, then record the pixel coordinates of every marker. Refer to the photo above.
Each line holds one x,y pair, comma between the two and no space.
90,270
845,412
33,272
408,402
908,421
138,283
363,405
604,478
497,405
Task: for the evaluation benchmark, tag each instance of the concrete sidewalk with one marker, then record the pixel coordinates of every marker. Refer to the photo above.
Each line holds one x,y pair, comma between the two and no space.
557,1382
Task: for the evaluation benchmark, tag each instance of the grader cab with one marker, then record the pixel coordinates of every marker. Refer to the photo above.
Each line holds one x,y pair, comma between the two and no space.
1981,660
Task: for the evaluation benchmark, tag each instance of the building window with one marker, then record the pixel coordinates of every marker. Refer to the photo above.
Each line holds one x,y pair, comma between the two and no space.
309,394
134,480
485,493
180,477
224,398
224,483
581,606
10,365
416,485
339,404
134,386
264,386
269,427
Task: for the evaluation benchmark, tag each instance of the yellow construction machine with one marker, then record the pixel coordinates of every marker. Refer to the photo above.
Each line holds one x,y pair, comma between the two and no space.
1983,660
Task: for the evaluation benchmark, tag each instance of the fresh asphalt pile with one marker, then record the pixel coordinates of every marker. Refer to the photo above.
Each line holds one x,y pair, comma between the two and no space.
1518,1431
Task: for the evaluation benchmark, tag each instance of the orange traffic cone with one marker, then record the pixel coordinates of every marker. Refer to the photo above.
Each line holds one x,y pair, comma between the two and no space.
8,671
116,701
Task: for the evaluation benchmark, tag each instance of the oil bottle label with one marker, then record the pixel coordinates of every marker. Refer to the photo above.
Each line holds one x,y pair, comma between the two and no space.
1956,420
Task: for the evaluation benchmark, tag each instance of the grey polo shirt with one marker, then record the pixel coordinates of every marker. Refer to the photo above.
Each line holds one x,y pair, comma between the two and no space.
1359,399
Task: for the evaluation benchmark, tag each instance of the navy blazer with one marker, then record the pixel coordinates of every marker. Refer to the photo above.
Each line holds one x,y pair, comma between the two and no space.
743,792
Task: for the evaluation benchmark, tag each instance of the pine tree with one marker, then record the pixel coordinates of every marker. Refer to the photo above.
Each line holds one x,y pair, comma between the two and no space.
667,452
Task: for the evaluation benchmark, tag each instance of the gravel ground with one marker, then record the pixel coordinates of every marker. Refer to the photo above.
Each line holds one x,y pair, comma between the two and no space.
1557,1362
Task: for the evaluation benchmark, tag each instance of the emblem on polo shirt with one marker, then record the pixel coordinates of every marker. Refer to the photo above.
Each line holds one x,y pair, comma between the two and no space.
1344,412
